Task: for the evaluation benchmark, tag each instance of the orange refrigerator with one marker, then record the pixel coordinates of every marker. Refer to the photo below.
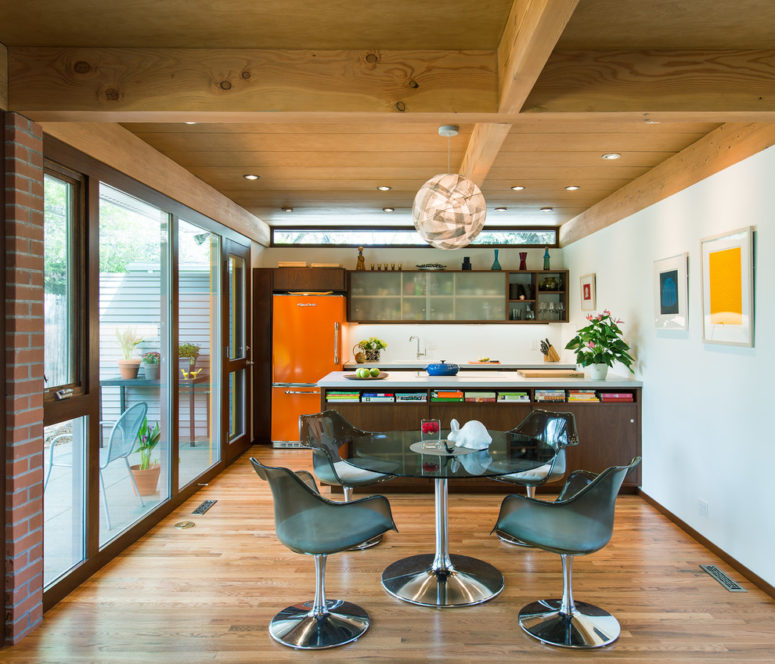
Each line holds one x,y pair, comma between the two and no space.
306,345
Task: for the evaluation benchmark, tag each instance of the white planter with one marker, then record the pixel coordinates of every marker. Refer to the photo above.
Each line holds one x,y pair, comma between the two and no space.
598,371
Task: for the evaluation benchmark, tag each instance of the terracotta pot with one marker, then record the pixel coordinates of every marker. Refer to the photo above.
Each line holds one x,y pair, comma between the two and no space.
146,480
129,368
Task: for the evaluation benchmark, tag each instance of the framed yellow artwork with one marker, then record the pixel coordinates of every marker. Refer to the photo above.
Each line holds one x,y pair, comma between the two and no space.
727,288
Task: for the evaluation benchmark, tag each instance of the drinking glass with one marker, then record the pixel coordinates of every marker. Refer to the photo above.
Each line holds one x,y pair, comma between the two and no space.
430,433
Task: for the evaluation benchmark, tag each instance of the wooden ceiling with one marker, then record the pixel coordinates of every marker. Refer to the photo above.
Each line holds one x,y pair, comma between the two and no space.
327,102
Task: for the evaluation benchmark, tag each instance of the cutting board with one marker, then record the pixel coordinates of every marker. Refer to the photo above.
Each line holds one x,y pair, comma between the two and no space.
550,373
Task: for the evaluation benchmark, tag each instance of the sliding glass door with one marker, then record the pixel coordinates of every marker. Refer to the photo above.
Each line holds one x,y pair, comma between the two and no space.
199,366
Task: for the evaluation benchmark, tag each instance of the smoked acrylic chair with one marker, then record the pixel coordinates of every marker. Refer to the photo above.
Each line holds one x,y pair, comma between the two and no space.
308,523
579,522
555,429
325,433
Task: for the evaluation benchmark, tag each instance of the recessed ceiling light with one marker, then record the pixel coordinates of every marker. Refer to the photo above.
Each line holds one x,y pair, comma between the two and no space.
572,187
384,187
500,209
518,187
287,209
251,176
388,209
189,122
547,209
610,155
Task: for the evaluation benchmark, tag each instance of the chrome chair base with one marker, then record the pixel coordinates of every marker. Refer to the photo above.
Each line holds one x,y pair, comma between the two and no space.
468,581
367,544
297,627
508,539
587,627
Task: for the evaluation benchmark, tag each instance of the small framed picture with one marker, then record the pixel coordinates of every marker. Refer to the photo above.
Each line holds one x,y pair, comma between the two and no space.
671,291
727,288
588,292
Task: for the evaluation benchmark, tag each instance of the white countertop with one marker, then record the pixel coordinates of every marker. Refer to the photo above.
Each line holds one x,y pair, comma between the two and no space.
464,366
483,378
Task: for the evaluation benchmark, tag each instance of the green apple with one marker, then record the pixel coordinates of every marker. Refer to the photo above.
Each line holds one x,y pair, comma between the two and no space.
362,373
374,372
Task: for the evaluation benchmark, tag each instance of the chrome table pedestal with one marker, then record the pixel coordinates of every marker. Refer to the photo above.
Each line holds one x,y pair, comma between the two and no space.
442,580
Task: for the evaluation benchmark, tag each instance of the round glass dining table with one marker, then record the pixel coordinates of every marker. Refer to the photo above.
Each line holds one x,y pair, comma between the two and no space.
443,579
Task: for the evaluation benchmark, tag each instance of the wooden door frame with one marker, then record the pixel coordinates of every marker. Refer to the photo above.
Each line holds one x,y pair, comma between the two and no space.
231,450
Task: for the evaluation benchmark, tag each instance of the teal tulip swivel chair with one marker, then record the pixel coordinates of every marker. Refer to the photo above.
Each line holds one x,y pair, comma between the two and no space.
324,433
557,430
579,522
308,523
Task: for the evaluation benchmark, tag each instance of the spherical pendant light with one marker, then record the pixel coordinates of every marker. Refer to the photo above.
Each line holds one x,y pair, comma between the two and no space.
449,209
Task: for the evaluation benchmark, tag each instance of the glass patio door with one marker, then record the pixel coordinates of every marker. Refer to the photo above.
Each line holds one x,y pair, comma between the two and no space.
236,351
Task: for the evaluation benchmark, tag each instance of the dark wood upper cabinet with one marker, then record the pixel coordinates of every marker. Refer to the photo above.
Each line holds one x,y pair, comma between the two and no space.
309,279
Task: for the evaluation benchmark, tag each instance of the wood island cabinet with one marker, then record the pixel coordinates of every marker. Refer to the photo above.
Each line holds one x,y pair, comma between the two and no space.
609,433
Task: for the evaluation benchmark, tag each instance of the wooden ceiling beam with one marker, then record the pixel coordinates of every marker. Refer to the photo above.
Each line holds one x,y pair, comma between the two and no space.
531,33
483,147
716,151
655,81
218,80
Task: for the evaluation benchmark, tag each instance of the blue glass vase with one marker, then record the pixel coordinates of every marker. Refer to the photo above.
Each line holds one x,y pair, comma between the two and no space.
495,264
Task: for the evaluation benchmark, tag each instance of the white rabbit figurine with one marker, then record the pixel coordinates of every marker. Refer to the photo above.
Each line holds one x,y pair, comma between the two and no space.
473,434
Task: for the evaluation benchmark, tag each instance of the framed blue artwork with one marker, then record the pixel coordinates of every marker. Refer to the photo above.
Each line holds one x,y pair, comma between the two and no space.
671,293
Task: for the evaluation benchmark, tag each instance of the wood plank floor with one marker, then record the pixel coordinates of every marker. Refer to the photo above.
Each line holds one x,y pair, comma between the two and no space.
206,594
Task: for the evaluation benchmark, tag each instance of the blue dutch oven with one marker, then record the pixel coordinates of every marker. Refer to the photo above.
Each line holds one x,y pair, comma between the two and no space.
442,369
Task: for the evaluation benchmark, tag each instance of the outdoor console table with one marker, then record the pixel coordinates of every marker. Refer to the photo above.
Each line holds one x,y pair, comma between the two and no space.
199,383
443,579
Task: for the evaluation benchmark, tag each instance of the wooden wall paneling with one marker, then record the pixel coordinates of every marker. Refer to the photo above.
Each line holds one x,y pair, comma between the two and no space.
262,354
3,77
727,145
255,80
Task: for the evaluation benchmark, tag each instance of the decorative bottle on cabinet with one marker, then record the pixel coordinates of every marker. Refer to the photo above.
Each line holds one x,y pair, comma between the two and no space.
546,258
466,263
523,260
495,264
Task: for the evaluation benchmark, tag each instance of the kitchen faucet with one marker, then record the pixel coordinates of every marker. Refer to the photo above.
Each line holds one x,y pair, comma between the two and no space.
417,339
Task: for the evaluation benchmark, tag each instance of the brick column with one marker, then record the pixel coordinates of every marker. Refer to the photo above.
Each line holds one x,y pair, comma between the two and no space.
23,376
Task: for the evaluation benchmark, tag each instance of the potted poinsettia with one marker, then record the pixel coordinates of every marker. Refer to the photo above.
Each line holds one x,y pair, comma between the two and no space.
600,344
146,473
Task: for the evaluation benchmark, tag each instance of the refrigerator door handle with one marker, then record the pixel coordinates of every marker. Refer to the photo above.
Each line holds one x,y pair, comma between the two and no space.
336,343
301,392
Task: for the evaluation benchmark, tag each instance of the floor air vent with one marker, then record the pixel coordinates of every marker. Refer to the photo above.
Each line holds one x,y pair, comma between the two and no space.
285,444
206,505
723,579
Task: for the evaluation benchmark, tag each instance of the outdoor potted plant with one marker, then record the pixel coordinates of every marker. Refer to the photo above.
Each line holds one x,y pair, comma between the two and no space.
152,364
146,473
128,339
600,344
187,354
369,349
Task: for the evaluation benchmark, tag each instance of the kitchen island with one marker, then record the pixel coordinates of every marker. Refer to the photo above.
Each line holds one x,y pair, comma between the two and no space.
609,423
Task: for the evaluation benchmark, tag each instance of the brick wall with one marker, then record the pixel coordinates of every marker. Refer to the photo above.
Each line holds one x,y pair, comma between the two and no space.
23,376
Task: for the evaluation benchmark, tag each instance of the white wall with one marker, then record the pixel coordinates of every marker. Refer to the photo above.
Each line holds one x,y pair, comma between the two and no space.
454,343
707,432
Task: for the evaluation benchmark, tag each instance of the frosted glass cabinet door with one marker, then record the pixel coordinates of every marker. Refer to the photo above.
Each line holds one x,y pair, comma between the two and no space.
480,296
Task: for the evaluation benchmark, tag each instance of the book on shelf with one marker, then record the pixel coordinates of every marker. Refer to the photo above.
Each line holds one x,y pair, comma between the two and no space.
447,395
626,397
583,395
343,396
377,397
416,397
550,395
480,397
513,397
